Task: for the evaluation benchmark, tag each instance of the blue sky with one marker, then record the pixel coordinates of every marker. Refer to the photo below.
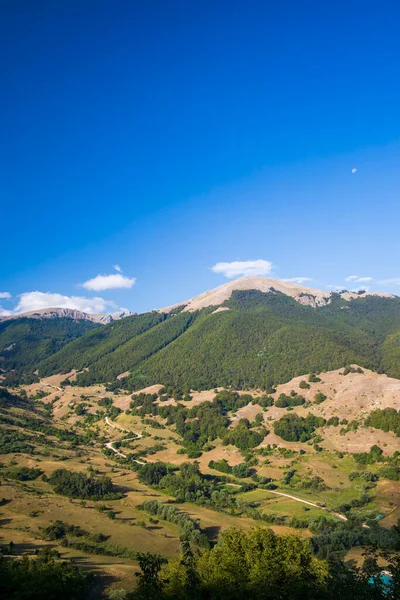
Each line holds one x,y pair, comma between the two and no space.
167,137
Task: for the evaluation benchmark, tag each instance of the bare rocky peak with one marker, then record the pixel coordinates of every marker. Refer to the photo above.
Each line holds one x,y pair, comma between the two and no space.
302,294
76,315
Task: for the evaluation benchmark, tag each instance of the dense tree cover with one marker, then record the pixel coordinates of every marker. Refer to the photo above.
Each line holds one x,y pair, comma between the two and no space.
79,485
24,342
293,428
243,437
154,331
262,340
59,530
261,565
43,578
240,470
202,423
189,529
387,419
23,473
374,455
152,473
293,400
188,484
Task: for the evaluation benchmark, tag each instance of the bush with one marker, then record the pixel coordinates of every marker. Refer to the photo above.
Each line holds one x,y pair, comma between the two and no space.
303,385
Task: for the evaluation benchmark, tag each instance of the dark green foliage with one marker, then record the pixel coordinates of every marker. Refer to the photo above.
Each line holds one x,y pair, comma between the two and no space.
59,530
319,398
293,428
313,378
24,474
30,341
350,369
241,470
242,437
260,565
387,419
391,472
43,578
79,485
284,401
189,528
303,385
121,348
369,458
262,340
152,473
13,442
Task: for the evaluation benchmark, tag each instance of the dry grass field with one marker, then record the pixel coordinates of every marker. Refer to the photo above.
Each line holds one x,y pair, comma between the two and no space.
33,505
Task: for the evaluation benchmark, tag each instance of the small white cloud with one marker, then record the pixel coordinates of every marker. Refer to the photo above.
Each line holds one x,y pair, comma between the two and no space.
354,170
299,280
247,267
357,279
37,300
6,295
117,268
393,281
109,282
4,312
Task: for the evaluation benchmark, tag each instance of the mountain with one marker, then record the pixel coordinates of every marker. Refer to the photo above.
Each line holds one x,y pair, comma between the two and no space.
251,332
25,342
68,313
300,293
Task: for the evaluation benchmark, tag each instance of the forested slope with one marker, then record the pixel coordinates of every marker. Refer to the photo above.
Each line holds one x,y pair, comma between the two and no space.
263,339
24,342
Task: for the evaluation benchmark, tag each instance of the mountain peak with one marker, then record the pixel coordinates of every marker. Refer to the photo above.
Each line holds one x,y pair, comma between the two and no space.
302,294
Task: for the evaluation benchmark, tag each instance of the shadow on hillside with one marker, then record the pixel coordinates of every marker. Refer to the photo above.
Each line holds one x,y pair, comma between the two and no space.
212,532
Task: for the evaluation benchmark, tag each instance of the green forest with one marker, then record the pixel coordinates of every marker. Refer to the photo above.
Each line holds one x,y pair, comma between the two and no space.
262,340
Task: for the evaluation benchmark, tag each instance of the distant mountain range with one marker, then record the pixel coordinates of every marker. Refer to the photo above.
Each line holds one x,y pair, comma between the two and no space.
250,332
69,313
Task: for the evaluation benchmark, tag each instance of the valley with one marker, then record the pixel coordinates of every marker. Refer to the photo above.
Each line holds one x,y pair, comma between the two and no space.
169,430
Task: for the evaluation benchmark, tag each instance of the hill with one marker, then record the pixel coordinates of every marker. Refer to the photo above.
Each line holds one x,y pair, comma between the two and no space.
25,342
100,476
254,339
233,336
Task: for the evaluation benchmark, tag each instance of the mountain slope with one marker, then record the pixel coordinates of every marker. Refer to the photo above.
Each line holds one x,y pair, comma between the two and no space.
24,343
258,340
254,339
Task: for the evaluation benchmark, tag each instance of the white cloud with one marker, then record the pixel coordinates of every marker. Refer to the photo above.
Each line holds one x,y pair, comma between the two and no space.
247,267
117,268
393,281
299,280
4,312
357,279
108,282
38,300
5,295
354,170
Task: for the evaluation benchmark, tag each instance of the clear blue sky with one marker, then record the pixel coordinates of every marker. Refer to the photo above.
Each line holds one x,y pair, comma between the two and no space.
166,137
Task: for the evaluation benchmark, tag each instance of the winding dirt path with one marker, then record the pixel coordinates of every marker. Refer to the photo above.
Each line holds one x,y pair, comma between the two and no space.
110,446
